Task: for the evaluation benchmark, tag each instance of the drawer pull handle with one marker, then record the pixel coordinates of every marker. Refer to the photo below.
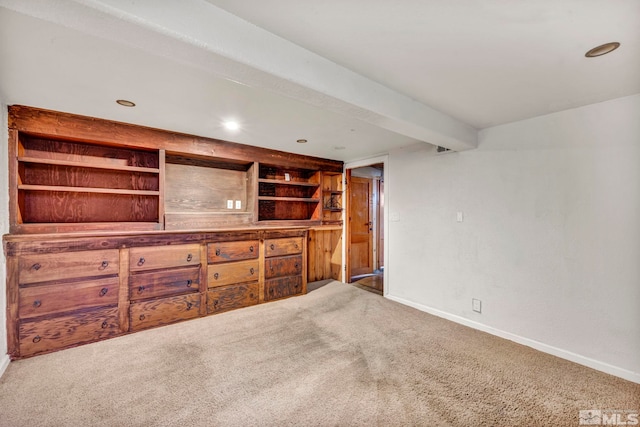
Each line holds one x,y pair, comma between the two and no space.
295,245
272,246
140,289
104,325
36,266
141,261
271,291
251,271
189,305
189,283
104,265
295,265
251,248
215,303
217,251
189,258
103,291
142,317
37,303
216,275
36,339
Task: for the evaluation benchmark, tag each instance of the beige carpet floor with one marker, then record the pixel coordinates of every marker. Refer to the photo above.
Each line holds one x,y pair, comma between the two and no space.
339,356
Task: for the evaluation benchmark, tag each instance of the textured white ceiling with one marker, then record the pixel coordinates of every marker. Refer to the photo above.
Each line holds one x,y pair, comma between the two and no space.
369,76
485,62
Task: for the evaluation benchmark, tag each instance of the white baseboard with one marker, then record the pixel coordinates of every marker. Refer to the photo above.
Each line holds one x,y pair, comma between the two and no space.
545,348
4,363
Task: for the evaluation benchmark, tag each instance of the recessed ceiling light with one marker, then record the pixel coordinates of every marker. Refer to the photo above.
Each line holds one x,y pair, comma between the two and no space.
603,49
125,103
301,141
231,125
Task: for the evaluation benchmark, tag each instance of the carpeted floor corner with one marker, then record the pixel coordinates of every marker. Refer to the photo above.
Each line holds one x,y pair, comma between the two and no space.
339,356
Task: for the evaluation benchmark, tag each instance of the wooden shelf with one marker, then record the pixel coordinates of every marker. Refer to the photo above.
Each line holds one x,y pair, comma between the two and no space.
87,190
289,199
91,165
294,183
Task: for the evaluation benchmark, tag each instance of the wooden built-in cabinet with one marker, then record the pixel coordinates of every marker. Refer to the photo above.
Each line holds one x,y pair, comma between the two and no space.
115,228
64,290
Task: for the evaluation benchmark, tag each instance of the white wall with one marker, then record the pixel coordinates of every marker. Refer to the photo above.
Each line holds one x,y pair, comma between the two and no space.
550,240
4,228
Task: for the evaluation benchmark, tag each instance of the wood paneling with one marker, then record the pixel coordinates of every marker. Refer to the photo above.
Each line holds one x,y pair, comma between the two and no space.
325,253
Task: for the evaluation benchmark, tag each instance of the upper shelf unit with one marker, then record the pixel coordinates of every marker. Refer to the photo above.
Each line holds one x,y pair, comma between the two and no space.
68,182
288,194
70,173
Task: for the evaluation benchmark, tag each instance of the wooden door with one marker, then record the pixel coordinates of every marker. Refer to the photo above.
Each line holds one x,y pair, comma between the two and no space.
361,226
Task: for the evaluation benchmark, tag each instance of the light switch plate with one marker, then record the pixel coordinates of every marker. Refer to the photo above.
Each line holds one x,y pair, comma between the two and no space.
238,204
459,216
229,204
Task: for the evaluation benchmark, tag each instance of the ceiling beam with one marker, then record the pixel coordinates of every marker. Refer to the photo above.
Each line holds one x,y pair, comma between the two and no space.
198,34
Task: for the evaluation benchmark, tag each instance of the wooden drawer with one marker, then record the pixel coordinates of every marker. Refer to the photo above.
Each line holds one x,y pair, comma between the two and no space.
164,283
231,273
283,266
283,246
226,298
163,311
66,265
59,297
64,331
155,257
282,287
232,251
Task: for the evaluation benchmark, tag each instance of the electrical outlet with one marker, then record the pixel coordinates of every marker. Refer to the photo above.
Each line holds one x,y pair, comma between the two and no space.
229,204
476,305
287,177
459,216
238,204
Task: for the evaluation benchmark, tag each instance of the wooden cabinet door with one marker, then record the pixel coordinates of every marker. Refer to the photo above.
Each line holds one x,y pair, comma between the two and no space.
232,272
155,257
61,297
282,287
283,266
163,311
232,251
164,283
66,265
282,246
64,331
225,298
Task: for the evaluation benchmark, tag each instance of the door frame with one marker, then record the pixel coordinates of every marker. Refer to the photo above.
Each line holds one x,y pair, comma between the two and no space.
346,267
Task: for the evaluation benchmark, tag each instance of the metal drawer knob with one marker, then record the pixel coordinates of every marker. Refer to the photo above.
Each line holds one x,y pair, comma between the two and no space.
272,246
104,265
36,266
37,303
189,305
142,317
189,258
103,291
216,275
140,289
189,283
141,261
251,248
104,325
217,251
252,271
36,339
